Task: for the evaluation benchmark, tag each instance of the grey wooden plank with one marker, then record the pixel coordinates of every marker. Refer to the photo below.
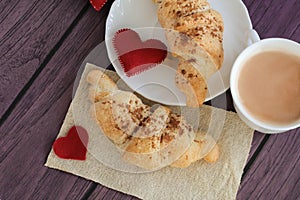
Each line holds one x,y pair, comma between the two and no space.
6,9
257,139
29,30
28,133
296,34
120,195
57,121
275,173
102,193
274,18
98,192
271,19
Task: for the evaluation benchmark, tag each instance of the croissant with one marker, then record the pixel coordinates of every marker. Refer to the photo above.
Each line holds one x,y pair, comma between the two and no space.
148,137
194,32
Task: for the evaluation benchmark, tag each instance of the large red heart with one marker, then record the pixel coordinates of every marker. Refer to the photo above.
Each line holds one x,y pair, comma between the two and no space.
73,146
98,4
135,55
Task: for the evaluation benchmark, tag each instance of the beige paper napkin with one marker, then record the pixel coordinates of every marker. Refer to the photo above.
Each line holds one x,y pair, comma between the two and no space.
199,181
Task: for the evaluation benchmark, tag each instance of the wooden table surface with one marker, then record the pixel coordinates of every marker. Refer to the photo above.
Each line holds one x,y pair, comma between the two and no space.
42,45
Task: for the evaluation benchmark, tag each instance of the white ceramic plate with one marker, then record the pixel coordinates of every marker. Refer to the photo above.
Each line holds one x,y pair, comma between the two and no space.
158,83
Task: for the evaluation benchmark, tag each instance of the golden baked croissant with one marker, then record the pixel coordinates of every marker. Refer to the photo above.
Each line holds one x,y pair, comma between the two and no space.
148,137
195,35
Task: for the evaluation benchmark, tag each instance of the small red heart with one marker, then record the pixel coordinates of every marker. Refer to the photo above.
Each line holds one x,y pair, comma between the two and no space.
98,4
73,146
135,55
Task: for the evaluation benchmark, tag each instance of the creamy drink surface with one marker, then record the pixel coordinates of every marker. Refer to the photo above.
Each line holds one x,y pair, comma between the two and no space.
269,87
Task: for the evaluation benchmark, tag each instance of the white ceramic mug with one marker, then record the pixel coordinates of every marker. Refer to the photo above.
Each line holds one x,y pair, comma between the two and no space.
272,44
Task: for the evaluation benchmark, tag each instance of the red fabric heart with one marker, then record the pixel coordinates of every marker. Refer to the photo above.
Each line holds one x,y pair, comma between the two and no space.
98,4
73,146
135,55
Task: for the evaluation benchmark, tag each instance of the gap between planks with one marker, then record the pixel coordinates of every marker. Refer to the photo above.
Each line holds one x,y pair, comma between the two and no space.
40,111
254,156
48,58
43,65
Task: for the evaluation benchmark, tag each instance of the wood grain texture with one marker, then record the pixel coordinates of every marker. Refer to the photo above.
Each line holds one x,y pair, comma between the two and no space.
29,30
272,19
275,172
28,33
28,133
103,193
257,139
275,18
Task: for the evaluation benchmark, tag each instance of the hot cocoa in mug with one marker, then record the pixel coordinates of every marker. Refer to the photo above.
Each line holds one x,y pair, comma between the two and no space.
265,85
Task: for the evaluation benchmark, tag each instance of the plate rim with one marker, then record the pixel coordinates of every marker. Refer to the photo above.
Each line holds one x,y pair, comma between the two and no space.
243,9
